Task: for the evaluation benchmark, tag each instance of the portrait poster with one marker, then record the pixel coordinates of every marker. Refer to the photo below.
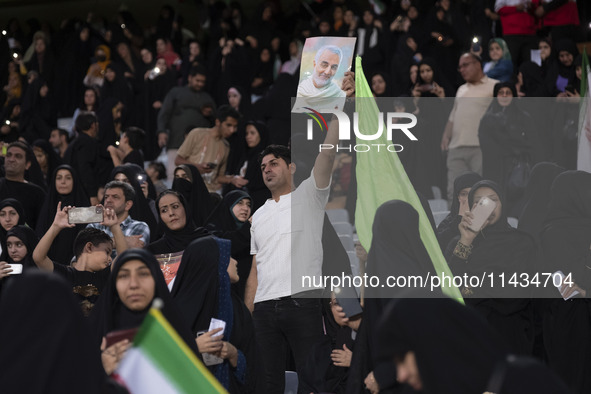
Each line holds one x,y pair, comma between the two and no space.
324,63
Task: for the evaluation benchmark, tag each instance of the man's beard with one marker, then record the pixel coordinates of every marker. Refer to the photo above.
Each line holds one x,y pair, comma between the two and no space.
321,82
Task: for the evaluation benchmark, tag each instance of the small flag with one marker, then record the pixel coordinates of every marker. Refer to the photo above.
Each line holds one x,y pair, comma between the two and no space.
160,362
381,177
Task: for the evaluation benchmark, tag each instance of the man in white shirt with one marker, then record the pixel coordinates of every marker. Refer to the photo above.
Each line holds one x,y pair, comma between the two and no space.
460,137
286,241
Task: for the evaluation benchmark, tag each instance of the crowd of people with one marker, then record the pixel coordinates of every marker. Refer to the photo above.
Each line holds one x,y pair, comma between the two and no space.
178,148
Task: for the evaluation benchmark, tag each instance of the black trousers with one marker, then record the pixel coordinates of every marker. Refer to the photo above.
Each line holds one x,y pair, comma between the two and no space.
293,322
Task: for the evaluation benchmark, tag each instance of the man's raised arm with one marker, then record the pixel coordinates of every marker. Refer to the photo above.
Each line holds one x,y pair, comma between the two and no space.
325,159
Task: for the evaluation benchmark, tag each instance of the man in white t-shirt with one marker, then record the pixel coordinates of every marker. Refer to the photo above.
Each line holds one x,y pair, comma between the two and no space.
286,241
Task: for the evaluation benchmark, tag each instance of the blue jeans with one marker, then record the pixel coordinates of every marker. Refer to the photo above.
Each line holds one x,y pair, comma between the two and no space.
293,322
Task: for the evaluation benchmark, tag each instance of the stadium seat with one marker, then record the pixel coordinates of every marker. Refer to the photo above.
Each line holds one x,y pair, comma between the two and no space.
291,382
338,215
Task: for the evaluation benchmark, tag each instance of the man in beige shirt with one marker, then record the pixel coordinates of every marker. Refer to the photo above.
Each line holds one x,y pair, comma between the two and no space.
460,138
208,150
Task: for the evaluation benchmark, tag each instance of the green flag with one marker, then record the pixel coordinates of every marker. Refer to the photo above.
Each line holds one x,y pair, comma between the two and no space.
161,362
381,178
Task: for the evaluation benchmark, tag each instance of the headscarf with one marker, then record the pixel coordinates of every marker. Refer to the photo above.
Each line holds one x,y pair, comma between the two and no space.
222,218
396,246
537,198
448,228
504,48
500,248
195,193
39,312
255,187
141,209
53,159
173,241
61,248
111,314
438,77
18,207
387,82
103,64
30,239
195,290
458,357
498,86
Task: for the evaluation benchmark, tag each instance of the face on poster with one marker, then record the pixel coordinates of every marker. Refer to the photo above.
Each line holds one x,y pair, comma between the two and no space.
324,63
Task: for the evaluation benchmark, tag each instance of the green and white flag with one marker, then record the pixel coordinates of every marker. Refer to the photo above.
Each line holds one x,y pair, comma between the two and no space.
160,362
381,177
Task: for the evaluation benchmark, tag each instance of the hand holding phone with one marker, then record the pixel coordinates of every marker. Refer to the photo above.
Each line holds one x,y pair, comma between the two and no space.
85,215
481,212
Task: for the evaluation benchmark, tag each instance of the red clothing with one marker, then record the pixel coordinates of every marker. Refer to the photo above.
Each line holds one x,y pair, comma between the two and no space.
566,14
516,22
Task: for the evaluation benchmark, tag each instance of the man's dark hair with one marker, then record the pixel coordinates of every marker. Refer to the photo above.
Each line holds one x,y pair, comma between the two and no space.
279,151
158,167
225,111
84,121
92,235
128,191
197,70
473,56
136,137
30,156
63,132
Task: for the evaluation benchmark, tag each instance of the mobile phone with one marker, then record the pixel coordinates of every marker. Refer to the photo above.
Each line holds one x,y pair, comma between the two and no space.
569,88
562,277
117,336
85,215
476,44
141,178
426,87
4,150
211,165
481,212
16,269
346,297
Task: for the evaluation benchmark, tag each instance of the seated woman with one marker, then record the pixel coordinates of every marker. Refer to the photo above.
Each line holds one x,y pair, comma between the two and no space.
497,249
500,66
229,220
64,186
135,281
448,228
202,291
12,214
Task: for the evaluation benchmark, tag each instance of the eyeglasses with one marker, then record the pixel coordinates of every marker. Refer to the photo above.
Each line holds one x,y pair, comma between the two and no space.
464,65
